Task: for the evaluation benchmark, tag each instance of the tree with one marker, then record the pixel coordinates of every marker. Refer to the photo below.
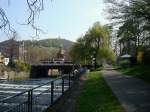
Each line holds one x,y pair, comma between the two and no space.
89,45
36,54
132,19
80,48
98,37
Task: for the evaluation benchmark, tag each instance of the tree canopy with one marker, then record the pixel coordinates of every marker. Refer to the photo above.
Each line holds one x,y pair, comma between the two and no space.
93,42
132,18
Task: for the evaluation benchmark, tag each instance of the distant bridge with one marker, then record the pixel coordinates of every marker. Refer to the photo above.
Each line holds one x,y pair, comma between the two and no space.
41,70
65,67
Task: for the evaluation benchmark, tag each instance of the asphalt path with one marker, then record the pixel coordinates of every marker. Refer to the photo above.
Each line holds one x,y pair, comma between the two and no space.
132,93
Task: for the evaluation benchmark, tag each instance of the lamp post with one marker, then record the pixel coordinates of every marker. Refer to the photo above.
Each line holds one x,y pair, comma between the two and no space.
93,57
92,64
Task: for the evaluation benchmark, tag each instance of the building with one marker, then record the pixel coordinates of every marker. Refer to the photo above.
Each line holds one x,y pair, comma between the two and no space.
12,49
61,55
1,58
127,46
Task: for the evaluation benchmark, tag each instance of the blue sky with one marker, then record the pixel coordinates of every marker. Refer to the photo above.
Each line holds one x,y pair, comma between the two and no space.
61,18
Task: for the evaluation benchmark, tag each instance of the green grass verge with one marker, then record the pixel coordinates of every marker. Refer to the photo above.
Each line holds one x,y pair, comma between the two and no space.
96,96
138,71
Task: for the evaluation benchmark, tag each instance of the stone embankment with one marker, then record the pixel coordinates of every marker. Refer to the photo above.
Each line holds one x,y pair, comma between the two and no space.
8,74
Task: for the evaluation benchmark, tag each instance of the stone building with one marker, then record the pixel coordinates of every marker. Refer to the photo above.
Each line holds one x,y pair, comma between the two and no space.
61,54
12,49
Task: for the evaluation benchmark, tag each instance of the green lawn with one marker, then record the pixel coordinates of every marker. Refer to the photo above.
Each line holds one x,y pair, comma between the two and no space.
138,71
96,96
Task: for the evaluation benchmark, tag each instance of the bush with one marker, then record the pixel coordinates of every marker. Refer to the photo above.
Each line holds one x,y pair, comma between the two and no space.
22,66
125,63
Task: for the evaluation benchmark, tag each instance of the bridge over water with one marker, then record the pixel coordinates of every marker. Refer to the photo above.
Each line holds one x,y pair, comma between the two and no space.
41,70
35,95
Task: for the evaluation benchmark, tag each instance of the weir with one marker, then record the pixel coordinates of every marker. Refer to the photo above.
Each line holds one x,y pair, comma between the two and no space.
35,95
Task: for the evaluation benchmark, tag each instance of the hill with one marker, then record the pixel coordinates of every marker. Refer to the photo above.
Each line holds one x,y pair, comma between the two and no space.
39,49
50,43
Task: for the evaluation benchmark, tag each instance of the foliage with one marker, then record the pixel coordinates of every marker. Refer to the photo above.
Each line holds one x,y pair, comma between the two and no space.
138,71
88,45
125,63
107,54
96,96
37,50
132,19
50,43
46,49
35,54
80,51
22,66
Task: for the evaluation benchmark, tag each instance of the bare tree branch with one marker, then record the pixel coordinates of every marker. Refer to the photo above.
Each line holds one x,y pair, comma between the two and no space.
34,7
5,24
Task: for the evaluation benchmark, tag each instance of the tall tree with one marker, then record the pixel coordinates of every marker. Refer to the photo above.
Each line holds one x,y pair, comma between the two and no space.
132,18
89,45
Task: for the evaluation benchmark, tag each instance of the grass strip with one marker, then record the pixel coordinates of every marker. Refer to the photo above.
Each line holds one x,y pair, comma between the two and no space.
96,96
138,71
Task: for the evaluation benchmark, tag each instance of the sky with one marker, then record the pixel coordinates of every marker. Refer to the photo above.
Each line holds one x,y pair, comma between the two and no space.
68,19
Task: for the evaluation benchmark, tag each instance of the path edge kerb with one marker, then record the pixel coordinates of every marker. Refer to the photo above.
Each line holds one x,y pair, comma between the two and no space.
123,108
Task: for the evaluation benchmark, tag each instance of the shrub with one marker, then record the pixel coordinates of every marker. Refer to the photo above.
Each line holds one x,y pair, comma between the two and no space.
22,66
125,63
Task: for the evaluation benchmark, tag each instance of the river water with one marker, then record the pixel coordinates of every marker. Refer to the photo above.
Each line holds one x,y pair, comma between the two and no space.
41,95
10,88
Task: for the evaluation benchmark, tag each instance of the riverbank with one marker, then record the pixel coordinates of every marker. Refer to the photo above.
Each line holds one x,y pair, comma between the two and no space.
89,94
96,96
10,74
137,71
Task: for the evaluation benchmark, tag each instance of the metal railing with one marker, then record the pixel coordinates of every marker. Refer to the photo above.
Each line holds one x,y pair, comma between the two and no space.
39,98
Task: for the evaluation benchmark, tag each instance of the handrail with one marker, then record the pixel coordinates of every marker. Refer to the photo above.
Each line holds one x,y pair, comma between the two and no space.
26,91
32,99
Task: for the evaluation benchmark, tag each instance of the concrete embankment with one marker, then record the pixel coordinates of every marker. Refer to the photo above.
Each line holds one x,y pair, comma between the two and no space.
8,74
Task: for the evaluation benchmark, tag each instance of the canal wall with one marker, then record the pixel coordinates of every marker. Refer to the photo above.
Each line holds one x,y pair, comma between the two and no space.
14,75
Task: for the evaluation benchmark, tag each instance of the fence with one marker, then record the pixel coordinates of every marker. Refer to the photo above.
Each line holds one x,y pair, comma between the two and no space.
38,99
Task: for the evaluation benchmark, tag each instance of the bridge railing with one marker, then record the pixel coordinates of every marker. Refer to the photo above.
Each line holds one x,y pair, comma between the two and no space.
39,98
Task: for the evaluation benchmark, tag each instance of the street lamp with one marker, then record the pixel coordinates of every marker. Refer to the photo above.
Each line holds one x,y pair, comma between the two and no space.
93,57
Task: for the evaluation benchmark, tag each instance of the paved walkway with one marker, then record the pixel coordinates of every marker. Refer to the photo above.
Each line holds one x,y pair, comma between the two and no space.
132,93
